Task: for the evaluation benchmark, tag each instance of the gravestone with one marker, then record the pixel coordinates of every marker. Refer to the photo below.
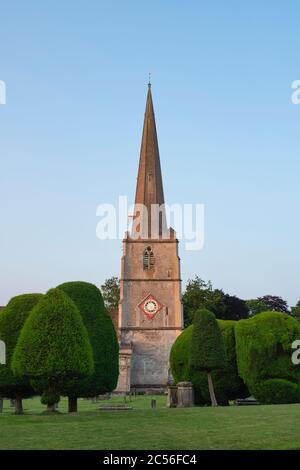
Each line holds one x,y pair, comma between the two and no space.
115,407
172,399
185,395
153,404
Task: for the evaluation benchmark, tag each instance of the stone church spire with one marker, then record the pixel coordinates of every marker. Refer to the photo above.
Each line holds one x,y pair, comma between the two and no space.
150,309
149,188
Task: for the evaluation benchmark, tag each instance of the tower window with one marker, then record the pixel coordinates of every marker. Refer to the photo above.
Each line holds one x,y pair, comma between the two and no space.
148,259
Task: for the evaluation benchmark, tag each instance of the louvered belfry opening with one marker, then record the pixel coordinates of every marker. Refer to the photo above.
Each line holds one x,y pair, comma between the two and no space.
148,259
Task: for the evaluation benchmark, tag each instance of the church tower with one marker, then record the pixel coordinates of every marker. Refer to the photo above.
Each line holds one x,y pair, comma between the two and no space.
150,310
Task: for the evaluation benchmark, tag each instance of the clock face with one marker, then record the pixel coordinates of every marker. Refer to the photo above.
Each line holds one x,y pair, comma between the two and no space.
150,306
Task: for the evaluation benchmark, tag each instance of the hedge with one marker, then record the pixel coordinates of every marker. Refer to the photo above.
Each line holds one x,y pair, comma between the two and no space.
263,346
276,391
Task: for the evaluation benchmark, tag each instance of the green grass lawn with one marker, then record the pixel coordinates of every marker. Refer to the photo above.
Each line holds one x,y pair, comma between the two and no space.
253,427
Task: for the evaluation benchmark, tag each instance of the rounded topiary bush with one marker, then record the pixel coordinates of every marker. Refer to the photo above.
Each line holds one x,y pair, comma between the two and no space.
276,391
50,398
179,356
228,385
12,319
264,350
87,297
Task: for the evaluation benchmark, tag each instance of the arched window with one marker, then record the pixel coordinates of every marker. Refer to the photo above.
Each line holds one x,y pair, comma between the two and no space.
148,260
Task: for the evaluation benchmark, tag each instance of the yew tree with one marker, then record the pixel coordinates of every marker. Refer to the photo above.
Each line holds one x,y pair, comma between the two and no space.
53,346
103,339
207,348
12,319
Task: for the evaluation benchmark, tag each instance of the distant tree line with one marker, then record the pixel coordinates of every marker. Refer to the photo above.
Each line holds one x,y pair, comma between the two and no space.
201,294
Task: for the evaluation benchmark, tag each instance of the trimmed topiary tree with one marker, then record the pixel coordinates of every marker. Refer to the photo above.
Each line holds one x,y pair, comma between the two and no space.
264,350
53,346
277,391
207,352
228,379
227,383
103,339
12,319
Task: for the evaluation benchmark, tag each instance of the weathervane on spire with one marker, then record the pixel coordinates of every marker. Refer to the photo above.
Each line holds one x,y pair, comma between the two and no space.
149,83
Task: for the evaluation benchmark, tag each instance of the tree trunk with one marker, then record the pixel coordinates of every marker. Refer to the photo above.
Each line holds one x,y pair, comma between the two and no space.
211,390
72,404
50,408
18,405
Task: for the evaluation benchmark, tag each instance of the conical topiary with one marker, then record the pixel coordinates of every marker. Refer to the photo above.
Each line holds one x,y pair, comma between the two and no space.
207,347
103,339
53,346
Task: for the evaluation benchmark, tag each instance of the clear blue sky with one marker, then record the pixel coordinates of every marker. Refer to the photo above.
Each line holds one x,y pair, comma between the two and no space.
76,75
